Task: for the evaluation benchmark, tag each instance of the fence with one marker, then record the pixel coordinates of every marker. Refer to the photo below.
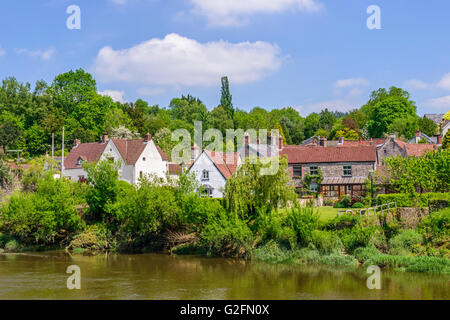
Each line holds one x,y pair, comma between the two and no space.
366,211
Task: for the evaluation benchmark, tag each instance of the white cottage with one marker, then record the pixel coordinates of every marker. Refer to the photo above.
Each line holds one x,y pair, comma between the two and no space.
213,169
138,157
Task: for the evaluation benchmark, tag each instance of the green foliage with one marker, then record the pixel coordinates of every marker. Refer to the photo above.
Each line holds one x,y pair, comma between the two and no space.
227,236
357,237
6,177
226,98
326,242
406,242
47,216
428,173
436,228
358,205
303,221
249,191
406,200
103,179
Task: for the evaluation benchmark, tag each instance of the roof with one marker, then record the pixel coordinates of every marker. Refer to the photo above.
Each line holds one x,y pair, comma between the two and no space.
340,181
131,150
220,161
90,152
175,169
430,140
418,150
316,154
436,117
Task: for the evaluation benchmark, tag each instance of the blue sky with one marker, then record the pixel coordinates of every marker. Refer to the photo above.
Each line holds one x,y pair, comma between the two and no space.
308,54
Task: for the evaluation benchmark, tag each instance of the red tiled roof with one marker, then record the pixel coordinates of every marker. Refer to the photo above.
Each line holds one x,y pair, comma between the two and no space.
220,161
131,150
175,169
90,152
316,154
419,149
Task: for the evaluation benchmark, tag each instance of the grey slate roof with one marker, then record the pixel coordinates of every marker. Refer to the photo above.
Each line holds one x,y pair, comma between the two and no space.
436,117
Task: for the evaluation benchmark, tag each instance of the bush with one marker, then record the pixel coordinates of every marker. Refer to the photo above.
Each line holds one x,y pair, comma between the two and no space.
274,226
48,216
406,242
226,235
358,205
357,236
405,200
343,203
303,221
436,227
12,246
343,222
94,238
326,241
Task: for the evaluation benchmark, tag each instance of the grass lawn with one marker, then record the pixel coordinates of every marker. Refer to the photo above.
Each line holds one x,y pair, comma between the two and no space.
327,213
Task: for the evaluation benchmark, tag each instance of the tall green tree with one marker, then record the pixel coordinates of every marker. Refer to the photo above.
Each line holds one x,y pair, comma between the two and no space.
226,98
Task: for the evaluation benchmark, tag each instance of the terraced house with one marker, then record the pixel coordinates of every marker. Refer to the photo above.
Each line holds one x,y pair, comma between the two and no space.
344,170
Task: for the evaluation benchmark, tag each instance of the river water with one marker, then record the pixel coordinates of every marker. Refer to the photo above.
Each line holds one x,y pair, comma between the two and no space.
159,276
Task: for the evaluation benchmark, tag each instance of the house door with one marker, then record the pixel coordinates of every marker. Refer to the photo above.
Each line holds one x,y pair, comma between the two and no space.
341,191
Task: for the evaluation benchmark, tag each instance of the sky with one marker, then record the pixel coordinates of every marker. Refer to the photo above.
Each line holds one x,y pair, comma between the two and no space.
306,54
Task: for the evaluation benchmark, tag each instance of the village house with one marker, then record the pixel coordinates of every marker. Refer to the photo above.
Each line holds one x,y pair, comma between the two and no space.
393,147
344,170
213,169
138,158
422,137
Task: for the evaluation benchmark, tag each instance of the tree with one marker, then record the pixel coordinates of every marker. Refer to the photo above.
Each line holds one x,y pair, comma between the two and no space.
446,141
386,111
220,119
404,127
226,98
10,130
348,134
326,120
123,133
103,178
427,126
248,193
188,109
311,124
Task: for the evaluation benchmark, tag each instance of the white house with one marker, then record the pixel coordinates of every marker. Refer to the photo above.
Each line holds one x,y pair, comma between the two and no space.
138,158
213,169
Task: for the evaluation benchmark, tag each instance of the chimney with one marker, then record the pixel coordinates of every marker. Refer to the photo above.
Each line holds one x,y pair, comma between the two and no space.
418,134
105,138
341,140
148,137
323,142
371,142
76,143
438,139
360,140
246,140
280,143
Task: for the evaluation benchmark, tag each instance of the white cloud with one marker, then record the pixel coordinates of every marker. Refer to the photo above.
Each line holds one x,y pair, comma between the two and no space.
350,83
115,95
236,12
332,105
180,61
41,54
444,83
416,84
442,103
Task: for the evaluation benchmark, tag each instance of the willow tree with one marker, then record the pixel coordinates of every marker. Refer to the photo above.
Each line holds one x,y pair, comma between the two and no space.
249,193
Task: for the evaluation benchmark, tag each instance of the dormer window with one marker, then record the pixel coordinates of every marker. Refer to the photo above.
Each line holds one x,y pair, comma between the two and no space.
79,161
205,175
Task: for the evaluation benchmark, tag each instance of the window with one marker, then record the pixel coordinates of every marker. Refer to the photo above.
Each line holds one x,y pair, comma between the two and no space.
349,190
207,191
314,187
298,171
79,161
143,159
330,191
347,171
314,170
141,174
205,175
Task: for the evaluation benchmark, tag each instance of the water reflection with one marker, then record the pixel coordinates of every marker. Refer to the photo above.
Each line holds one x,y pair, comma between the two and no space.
158,276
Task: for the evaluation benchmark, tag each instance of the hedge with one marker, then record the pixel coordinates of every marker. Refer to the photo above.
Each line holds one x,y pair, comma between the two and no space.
413,200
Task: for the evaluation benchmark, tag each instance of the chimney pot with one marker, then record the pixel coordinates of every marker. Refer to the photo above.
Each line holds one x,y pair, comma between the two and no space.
341,140
148,137
105,138
438,139
418,133
76,143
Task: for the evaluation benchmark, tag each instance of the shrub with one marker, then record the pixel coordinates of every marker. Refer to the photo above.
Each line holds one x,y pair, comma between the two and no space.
6,177
358,205
274,226
343,203
12,246
357,236
326,241
94,238
303,221
48,216
436,227
225,235
343,221
412,200
405,242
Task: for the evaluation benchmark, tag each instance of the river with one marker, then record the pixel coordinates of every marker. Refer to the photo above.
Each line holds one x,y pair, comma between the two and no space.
159,276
